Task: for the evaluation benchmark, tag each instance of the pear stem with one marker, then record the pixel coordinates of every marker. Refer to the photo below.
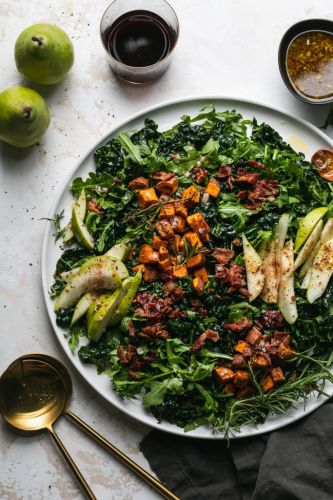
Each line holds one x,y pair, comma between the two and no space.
26,112
38,39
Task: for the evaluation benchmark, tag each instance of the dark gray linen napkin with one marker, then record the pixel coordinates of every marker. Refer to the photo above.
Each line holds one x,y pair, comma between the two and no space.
293,463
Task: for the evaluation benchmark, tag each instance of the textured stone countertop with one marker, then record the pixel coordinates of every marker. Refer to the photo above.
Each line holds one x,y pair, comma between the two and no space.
226,48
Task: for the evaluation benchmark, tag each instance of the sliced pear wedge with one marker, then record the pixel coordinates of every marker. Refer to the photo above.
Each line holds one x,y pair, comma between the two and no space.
101,311
120,267
125,304
307,224
119,251
96,274
83,305
321,272
269,292
326,235
280,237
286,296
81,204
254,273
80,230
309,245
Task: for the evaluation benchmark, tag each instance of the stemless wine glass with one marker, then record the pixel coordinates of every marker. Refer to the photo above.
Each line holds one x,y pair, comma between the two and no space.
139,37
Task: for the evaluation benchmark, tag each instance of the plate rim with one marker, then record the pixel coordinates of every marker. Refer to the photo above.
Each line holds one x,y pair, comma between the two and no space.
61,190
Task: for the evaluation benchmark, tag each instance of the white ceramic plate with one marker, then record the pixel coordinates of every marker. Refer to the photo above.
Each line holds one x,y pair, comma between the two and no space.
300,134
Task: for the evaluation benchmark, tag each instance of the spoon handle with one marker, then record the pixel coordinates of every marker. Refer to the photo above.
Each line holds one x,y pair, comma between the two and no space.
71,463
155,483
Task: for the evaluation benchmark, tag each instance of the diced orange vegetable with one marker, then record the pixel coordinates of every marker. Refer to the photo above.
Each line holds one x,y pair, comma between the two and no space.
195,261
285,352
147,197
229,388
199,225
179,271
240,346
267,383
259,361
174,243
213,187
165,229
157,242
163,253
167,211
223,374
150,274
277,375
202,273
198,284
242,378
191,196
178,224
140,267
193,240
148,255
168,187
164,264
181,209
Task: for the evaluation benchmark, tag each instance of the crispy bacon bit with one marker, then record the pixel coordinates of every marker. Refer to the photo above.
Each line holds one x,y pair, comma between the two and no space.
231,182
154,331
236,242
236,275
223,255
248,177
207,334
198,174
238,326
131,328
122,355
223,172
272,319
238,361
151,306
138,183
134,375
283,337
255,164
93,206
161,176
254,336
168,187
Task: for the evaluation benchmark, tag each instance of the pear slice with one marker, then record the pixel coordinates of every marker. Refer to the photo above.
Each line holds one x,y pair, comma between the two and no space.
309,245
118,251
307,224
280,236
80,230
81,204
120,267
321,272
269,292
83,305
127,300
286,296
254,273
96,274
101,311
326,235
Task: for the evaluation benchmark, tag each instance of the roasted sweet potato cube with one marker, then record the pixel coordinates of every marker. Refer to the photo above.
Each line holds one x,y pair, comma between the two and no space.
167,211
193,240
168,187
229,388
224,374
198,284
150,274
213,187
277,375
165,229
201,273
179,224
164,264
139,183
195,261
240,346
174,243
157,242
191,196
181,209
242,378
260,361
254,336
140,267
179,271
163,253
197,223
147,197
267,383
148,255
285,352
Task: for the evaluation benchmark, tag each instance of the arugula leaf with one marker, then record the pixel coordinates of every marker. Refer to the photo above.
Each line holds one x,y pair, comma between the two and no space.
158,390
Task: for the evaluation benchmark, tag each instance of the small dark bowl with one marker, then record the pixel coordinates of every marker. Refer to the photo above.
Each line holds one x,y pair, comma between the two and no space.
294,31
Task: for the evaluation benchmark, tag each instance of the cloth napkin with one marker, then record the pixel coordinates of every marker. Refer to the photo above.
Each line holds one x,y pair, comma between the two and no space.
292,463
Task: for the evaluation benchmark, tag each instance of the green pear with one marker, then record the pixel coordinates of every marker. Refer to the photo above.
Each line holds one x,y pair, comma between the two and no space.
24,116
44,53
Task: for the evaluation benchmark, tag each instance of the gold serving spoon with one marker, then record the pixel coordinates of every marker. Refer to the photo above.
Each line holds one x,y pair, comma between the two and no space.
34,391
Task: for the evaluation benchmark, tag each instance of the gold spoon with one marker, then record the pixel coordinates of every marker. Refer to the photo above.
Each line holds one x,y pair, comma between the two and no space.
34,391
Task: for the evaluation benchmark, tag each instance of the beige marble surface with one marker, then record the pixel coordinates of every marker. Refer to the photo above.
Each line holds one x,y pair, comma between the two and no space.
227,48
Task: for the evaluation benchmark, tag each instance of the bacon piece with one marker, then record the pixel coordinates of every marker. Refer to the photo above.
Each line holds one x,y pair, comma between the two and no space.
200,342
122,355
222,273
236,275
139,183
231,182
154,331
272,319
150,274
255,164
238,326
134,375
223,255
198,174
236,242
162,176
223,172
283,337
238,361
131,328
168,187
265,189
151,306
254,336
242,378
93,206
248,177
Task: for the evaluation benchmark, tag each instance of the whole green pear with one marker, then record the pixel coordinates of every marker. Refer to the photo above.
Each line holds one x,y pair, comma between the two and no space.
44,53
24,116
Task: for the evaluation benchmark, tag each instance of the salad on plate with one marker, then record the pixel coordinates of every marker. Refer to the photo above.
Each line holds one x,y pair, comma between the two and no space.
196,271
